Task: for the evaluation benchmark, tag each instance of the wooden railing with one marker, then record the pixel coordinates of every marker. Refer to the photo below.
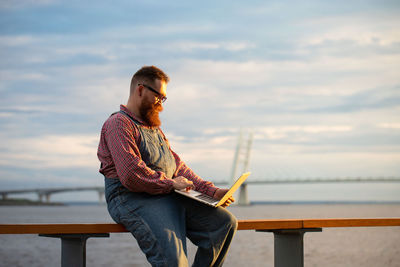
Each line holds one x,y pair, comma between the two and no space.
288,235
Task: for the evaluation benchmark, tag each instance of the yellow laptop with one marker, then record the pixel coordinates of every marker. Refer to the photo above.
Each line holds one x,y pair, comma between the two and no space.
206,199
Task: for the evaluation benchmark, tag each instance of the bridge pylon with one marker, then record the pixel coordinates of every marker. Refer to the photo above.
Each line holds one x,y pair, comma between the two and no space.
242,157
101,195
44,194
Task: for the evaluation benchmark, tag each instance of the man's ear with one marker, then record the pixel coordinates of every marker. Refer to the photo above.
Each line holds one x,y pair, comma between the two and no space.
140,90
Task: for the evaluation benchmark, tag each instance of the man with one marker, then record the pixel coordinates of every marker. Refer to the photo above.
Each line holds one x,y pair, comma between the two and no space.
141,173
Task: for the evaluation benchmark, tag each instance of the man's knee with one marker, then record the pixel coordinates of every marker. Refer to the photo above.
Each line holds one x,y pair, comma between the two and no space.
233,222
229,220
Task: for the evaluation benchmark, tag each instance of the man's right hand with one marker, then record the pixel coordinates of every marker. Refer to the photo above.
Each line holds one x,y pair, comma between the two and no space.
181,182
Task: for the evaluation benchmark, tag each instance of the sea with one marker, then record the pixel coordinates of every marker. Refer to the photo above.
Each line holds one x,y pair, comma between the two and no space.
360,246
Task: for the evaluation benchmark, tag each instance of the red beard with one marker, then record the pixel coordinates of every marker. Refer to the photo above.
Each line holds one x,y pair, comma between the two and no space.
149,112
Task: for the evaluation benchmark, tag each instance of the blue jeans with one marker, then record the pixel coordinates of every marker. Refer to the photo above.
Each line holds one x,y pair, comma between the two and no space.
161,223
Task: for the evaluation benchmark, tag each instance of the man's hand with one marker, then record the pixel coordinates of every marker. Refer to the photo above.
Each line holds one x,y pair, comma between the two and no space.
220,193
181,182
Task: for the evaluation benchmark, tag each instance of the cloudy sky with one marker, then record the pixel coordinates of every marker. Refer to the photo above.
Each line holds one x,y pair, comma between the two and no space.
317,83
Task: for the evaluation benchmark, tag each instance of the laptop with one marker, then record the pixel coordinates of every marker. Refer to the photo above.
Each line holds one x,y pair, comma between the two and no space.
206,199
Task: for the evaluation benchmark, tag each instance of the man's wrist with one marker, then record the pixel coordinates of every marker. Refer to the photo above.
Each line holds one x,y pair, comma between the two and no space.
170,185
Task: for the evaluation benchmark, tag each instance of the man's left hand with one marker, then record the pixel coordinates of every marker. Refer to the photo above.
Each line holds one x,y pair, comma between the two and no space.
220,193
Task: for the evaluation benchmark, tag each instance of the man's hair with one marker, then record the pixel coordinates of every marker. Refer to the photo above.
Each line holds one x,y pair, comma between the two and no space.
148,74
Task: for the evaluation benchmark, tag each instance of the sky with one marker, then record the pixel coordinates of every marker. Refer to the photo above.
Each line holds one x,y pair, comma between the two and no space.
316,83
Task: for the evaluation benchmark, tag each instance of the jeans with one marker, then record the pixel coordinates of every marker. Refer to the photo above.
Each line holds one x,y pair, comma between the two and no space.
161,223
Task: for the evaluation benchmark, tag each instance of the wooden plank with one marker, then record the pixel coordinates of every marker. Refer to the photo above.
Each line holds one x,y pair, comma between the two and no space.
350,222
116,228
89,228
269,224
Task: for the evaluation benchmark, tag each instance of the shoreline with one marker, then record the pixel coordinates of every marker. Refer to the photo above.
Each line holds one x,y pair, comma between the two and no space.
27,202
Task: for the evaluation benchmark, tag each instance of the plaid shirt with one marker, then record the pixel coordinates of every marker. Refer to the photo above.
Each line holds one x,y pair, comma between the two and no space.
120,157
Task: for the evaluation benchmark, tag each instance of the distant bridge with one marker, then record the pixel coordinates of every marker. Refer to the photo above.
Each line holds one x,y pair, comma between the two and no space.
45,193
244,199
319,180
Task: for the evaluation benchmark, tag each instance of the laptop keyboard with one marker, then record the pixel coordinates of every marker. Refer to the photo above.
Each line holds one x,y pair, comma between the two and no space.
206,198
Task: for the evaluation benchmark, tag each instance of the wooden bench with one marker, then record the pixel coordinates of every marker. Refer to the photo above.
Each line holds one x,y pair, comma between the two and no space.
288,235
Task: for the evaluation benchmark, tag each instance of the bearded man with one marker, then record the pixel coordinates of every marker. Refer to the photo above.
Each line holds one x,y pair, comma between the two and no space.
141,173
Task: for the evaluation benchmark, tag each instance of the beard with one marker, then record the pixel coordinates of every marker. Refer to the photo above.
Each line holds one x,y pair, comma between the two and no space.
149,112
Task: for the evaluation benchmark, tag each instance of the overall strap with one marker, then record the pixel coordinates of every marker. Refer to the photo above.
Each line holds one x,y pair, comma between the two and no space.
129,116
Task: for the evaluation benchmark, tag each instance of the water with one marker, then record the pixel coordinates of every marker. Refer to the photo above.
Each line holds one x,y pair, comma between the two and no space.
349,191
374,246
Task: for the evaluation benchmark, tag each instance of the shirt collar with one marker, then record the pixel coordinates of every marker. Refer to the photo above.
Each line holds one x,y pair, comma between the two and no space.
126,110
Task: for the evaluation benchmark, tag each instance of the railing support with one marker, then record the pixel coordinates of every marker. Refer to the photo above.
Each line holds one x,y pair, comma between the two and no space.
289,246
73,248
243,196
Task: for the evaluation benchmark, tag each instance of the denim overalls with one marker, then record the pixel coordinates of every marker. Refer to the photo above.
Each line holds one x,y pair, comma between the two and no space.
154,149
161,223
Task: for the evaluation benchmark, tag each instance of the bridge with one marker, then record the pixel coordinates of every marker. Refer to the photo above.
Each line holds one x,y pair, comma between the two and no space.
45,193
244,199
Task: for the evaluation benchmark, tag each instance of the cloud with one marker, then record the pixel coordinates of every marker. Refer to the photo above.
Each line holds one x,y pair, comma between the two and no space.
388,125
17,40
8,75
50,151
338,75
363,29
283,131
188,46
10,4
288,161
368,99
257,90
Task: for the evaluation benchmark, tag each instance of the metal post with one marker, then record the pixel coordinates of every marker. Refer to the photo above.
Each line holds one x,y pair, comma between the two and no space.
73,248
289,247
